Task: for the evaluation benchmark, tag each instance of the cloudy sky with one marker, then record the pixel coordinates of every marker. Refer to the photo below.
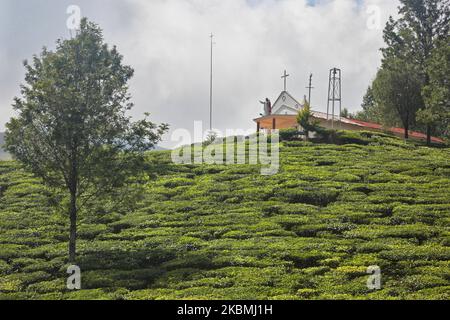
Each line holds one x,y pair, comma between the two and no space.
167,42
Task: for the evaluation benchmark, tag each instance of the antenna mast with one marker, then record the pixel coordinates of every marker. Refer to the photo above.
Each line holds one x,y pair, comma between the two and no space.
310,87
211,86
334,94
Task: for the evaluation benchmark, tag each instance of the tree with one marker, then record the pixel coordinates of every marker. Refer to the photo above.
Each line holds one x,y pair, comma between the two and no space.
71,127
413,37
345,113
422,23
371,111
437,93
398,89
305,119
210,138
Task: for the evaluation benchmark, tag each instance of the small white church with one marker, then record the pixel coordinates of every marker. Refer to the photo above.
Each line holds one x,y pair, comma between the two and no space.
283,115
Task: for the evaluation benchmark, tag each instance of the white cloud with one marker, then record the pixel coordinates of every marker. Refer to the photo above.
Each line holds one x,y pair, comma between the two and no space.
167,43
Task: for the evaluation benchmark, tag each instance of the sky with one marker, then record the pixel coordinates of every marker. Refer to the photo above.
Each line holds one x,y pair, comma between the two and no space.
167,43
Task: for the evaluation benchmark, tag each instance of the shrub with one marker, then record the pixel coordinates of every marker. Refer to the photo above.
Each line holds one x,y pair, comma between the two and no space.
58,285
319,197
224,232
307,293
423,281
91,231
291,134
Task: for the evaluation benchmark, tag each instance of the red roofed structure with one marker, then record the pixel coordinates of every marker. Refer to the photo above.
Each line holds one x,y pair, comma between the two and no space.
285,111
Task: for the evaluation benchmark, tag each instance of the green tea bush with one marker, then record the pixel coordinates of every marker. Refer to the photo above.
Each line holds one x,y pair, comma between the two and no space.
420,282
319,197
291,134
91,231
57,285
227,232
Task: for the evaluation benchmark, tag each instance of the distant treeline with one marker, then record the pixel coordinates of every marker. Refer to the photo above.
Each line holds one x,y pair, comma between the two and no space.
411,87
3,154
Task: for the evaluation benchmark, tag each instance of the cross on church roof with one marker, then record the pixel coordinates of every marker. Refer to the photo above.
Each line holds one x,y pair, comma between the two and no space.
285,77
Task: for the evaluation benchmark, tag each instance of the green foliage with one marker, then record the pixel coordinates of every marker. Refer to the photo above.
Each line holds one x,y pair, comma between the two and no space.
210,138
411,40
437,92
290,134
397,88
305,119
72,130
226,232
371,111
412,36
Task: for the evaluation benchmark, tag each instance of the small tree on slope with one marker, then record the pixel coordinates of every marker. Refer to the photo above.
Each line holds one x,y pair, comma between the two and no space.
305,120
71,127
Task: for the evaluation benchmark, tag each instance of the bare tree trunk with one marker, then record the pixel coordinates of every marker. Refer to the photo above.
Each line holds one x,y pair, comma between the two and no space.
73,189
73,227
406,125
428,135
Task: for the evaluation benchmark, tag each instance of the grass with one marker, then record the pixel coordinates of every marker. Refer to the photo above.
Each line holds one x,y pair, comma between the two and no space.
227,232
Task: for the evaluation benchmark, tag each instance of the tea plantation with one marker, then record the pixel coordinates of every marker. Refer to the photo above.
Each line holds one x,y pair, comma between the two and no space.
227,232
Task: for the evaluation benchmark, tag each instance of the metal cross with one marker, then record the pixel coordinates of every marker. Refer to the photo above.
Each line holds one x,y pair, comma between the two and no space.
284,77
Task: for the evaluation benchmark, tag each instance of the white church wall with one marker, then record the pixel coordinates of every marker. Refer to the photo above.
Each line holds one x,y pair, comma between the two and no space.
286,103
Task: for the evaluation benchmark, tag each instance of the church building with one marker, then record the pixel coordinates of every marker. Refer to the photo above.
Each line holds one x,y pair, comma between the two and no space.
283,115
284,112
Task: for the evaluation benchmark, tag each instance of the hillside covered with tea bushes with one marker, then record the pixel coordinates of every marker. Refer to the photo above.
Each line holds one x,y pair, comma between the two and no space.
227,232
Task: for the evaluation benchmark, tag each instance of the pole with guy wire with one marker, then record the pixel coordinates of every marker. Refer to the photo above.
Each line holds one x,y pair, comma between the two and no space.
211,86
310,87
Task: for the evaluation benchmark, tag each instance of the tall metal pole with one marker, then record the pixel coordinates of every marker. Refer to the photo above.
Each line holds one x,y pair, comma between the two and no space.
340,97
211,86
328,102
310,87
334,95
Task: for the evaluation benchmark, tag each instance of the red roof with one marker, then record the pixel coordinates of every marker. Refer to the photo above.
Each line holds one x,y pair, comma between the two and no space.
375,126
412,134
